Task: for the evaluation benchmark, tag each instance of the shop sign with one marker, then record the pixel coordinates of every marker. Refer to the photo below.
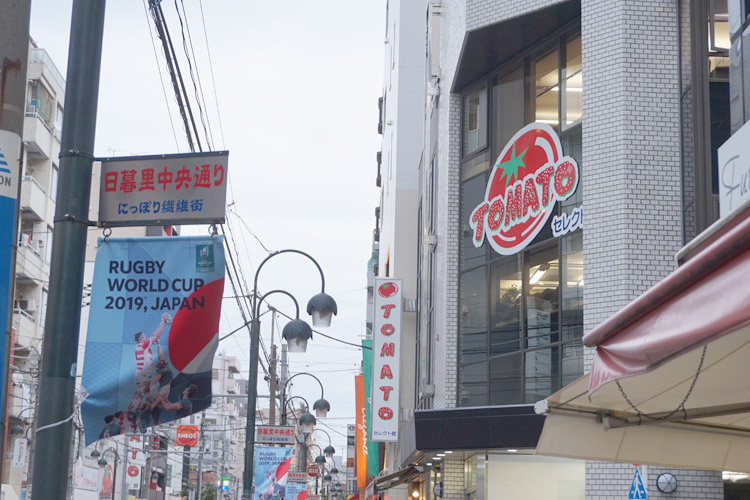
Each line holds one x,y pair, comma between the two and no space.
187,435
361,432
275,434
386,360
529,177
163,189
85,478
734,171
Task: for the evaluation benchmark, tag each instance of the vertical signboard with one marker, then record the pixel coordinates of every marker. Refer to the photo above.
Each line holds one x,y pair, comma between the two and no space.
10,152
152,332
361,431
373,459
386,359
734,171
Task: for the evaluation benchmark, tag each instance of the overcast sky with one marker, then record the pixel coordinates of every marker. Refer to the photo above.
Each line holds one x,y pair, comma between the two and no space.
293,98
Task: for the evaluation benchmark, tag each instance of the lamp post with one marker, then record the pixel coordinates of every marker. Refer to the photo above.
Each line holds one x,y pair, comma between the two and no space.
102,463
321,406
321,307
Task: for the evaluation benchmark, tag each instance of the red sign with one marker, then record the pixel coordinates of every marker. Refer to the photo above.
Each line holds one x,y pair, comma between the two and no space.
187,435
313,470
529,177
133,470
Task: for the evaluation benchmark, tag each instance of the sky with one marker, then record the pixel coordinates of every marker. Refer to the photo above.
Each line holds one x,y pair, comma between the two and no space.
290,90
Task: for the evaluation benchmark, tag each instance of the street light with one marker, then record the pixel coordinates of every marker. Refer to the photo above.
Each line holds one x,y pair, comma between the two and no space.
322,307
102,463
321,406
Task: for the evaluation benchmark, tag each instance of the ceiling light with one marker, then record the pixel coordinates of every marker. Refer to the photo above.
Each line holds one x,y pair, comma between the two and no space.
449,452
541,270
441,454
511,450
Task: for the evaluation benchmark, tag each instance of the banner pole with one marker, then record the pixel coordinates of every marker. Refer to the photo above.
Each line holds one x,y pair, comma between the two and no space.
58,373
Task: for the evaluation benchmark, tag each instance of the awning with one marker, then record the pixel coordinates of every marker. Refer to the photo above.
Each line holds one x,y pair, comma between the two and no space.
670,381
403,476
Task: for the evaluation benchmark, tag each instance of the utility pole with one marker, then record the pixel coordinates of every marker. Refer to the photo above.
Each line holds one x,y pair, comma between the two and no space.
201,445
58,375
282,384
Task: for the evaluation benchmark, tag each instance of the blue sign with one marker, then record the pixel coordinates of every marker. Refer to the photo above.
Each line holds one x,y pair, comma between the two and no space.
10,152
271,472
152,332
637,489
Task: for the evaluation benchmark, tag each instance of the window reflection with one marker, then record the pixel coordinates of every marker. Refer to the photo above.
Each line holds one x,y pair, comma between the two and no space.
546,88
572,84
475,120
473,341
542,304
505,318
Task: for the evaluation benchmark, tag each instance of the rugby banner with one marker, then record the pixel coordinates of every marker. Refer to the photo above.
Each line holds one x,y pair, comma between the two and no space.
271,472
152,332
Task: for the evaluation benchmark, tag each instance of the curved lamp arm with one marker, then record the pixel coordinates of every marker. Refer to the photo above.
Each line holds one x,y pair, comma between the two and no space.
274,254
262,298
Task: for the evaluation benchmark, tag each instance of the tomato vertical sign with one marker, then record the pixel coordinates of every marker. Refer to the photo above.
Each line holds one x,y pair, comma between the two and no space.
386,359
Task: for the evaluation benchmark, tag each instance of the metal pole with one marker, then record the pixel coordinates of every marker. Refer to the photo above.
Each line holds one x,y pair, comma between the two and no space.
282,383
57,381
201,446
252,389
272,372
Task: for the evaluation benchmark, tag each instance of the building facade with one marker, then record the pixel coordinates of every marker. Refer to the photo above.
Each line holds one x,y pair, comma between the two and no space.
629,102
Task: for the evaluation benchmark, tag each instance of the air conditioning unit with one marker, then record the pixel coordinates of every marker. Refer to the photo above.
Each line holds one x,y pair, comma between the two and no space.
27,305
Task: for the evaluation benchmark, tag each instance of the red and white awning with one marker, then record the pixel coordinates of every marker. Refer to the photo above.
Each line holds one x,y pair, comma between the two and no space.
670,381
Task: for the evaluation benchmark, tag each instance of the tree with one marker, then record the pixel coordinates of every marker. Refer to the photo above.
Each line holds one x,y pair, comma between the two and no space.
209,492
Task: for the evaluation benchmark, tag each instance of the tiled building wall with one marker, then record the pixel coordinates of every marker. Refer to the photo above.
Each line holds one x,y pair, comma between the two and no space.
614,482
453,479
632,182
445,334
481,13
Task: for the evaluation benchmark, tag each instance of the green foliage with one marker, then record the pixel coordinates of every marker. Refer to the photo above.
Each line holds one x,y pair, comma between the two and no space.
209,492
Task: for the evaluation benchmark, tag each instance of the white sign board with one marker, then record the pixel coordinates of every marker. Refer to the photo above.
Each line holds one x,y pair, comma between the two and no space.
19,452
734,171
386,360
275,434
84,477
163,189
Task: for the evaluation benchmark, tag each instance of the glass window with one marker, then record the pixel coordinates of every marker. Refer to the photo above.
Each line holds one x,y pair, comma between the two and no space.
472,380
472,194
508,110
473,293
541,373
542,308
546,88
505,380
475,121
505,295
521,316
572,286
572,84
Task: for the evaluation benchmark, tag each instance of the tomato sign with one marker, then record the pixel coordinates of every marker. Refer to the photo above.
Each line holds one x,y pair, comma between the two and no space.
313,470
530,176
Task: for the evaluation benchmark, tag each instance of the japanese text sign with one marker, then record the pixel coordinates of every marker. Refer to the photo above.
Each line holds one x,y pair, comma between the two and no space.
163,189
386,359
274,434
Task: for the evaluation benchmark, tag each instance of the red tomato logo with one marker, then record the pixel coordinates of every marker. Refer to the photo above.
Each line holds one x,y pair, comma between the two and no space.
529,177
388,289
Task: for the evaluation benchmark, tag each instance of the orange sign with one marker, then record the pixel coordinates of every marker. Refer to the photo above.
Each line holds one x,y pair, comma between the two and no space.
187,435
361,432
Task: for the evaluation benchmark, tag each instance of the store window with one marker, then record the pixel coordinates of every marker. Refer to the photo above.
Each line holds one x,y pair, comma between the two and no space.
521,315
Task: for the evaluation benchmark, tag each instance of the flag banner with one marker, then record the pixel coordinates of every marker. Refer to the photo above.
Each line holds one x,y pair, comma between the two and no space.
361,431
271,472
373,462
295,491
152,332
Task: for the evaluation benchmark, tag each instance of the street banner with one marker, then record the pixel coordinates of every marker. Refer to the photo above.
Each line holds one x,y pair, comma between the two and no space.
275,434
295,491
152,332
163,189
386,360
373,462
361,432
10,153
271,471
